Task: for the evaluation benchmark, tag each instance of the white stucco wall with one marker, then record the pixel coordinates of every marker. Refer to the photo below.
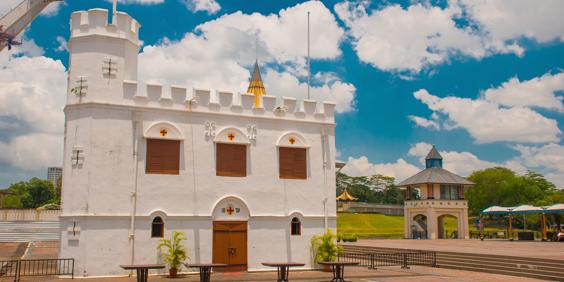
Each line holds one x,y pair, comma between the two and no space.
100,126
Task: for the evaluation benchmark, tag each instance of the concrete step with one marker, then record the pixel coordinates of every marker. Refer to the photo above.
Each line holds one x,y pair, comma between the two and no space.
487,264
538,268
504,272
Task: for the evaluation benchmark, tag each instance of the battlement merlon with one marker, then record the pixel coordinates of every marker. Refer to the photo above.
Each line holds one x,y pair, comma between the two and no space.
95,21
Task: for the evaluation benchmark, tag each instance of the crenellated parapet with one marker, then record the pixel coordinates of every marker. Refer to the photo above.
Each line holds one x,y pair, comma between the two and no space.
205,100
95,22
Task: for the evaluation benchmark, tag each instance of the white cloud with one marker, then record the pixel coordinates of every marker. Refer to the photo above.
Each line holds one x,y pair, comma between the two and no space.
414,38
547,159
537,92
63,44
487,122
397,39
33,151
286,84
210,6
505,20
221,52
401,170
419,121
31,108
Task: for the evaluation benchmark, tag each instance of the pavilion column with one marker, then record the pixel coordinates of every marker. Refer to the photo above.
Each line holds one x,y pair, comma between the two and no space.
461,192
510,229
408,193
430,194
481,228
543,229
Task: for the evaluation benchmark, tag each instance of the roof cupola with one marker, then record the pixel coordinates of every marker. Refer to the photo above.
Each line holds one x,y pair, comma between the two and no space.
433,159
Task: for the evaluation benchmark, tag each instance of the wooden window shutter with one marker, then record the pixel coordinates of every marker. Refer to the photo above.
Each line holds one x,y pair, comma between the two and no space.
231,160
239,160
163,156
293,163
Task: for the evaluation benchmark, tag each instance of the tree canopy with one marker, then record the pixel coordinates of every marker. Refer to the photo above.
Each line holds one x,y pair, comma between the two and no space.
32,194
374,189
500,186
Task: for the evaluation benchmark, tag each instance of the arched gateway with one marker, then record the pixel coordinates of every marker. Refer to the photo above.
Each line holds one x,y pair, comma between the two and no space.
442,195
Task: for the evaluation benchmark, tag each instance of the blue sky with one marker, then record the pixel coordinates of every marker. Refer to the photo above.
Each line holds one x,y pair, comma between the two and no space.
483,80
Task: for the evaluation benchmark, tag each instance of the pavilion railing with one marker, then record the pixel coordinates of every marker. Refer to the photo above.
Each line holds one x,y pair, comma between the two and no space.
36,267
373,260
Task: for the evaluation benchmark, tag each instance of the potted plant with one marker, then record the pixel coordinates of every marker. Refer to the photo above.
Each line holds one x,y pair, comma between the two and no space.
325,248
176,253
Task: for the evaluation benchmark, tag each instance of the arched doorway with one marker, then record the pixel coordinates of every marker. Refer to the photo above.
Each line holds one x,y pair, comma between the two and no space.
448,227
230,217
419,227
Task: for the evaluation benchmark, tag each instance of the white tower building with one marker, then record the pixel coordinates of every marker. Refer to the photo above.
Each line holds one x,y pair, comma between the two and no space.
245,183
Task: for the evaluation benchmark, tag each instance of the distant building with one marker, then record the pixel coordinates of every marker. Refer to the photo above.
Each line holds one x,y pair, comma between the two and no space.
53,174
449,201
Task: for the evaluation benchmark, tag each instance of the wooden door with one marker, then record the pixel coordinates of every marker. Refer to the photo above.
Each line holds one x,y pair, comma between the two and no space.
230,244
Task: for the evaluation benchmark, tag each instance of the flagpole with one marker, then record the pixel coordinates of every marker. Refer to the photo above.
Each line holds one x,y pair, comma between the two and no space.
308,69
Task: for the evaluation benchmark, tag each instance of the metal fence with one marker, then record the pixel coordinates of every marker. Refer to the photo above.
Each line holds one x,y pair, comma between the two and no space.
373,260
36,267
8,268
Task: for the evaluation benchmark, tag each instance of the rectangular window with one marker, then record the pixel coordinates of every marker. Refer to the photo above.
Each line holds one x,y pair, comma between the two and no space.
450,192
231,160
163,156
293,163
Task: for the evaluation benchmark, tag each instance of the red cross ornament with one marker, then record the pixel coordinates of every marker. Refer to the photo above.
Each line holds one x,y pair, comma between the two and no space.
163,132
231,137
230,210
292,141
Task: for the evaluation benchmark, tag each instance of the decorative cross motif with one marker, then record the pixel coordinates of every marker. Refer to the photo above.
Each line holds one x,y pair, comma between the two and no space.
163,132
231,136
230,210
292,141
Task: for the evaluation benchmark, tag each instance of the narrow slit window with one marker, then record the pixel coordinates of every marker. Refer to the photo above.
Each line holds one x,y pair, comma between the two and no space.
157,228
296,226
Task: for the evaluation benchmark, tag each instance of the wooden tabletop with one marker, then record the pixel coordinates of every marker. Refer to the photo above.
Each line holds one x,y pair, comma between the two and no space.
206,264
338,263
143,266
283,263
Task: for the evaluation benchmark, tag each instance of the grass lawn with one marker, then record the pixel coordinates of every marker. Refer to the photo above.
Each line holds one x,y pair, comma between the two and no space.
379,226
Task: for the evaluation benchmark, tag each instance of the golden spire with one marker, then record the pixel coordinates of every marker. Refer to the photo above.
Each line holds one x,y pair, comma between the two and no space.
256,87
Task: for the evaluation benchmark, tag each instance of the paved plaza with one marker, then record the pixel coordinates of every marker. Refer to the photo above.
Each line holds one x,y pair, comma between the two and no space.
532,249
553,250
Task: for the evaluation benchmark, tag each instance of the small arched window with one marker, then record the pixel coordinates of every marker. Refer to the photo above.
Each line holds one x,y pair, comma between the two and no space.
157,228
296,226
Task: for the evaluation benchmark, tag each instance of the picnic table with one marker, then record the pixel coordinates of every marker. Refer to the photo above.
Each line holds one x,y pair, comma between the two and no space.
205,269
142,270
338,268
283,268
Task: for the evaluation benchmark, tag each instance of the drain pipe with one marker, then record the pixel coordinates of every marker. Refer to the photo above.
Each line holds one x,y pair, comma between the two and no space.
136,121
324,150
